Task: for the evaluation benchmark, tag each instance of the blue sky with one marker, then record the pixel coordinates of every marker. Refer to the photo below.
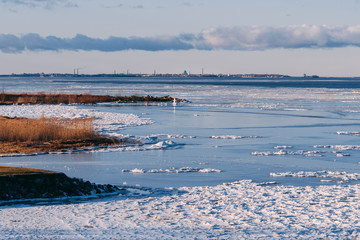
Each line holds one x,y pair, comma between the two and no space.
228,36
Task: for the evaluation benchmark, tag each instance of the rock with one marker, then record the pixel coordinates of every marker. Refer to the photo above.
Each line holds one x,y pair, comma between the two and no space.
53,185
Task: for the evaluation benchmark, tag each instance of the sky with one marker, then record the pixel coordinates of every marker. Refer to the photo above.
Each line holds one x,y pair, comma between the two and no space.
293,37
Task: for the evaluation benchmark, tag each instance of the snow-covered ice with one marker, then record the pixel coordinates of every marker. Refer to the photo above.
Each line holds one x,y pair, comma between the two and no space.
340,177
233,137
238,210
283,147
284,152
339,147
174,170
172,136
348,133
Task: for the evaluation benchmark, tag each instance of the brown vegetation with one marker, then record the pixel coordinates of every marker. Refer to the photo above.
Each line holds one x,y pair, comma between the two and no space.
42,98
12,171
21,135
45,129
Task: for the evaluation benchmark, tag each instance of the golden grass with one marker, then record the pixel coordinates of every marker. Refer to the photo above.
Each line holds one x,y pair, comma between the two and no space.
11,171
45,129
21,135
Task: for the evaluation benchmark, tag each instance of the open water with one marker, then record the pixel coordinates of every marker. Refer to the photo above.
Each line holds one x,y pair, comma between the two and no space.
231,129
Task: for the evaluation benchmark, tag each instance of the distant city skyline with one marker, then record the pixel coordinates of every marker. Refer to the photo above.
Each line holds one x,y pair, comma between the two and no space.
232,36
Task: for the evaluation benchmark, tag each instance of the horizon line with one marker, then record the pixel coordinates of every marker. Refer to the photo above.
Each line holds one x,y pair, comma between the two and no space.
184,74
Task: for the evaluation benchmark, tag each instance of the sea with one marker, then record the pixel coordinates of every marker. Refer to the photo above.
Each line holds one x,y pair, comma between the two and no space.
287,131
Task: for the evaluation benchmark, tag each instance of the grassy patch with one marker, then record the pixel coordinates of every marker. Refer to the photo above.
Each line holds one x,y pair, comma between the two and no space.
11,171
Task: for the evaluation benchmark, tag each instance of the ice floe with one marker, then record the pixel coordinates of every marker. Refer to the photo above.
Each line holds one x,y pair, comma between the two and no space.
339,147
283,147
233,137
260,105
284,152
343,155
172,136
348,133
174,170
341,177
162,145
156,138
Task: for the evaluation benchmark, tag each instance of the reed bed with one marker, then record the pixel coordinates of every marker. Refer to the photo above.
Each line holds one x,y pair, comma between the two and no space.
29,136
46,129
44,98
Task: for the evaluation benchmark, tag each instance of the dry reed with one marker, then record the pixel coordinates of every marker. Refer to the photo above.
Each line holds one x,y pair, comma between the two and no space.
45,129
42,98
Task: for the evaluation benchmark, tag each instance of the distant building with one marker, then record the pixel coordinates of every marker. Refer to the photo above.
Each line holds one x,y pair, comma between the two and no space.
185,73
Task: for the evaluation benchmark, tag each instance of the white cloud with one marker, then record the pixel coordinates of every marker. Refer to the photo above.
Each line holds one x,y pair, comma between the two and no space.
236,38
49,4
259,37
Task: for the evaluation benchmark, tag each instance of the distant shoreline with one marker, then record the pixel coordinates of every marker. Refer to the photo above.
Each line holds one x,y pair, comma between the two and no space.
166,75
174,75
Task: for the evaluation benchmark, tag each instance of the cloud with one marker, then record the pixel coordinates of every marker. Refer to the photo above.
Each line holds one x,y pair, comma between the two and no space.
48,4
188,4
33,42
236,38
304,36
138,6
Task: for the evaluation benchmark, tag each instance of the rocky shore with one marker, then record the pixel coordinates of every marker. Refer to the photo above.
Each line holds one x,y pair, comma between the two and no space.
46,184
